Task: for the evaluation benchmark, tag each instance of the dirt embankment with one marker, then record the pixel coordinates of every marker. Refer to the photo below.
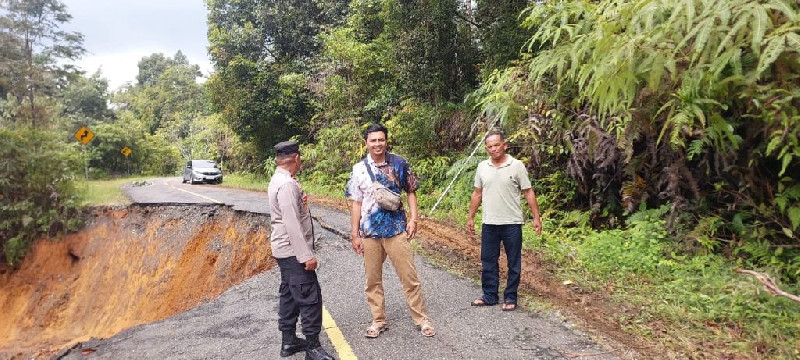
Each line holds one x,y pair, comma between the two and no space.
127,267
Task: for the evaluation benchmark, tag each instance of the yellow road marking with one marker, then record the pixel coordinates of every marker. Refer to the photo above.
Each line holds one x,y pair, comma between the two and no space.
337,338
196,194
334,334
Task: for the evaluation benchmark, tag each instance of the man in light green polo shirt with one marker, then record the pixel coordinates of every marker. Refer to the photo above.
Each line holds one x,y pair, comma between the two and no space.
499,181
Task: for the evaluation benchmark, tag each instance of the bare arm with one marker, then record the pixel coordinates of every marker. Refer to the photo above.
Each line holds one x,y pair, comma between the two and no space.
411,226
355,224
530,196
474,203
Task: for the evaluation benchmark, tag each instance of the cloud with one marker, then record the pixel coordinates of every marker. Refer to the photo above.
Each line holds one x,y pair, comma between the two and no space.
122,67
118,33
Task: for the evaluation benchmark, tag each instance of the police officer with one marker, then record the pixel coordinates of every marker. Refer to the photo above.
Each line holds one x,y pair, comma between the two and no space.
292,243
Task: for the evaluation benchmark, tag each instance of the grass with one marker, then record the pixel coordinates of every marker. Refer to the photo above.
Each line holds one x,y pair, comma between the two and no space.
246,181
104,192
693,303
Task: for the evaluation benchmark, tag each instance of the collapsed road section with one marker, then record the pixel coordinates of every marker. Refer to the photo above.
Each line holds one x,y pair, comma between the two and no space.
128,266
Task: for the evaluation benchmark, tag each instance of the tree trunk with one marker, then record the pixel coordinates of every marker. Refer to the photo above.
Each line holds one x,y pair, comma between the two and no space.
30,86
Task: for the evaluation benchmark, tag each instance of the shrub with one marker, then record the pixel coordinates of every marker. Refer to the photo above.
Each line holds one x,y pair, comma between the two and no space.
639,249
331,158
37,196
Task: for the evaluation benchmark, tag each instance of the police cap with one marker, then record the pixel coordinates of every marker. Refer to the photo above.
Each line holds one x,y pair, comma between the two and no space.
287,148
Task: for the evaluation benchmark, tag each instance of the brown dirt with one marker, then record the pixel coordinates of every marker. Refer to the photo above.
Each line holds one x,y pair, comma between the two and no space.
128,267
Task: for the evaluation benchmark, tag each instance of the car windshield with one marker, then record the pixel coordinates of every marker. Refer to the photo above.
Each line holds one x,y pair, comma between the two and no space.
203,164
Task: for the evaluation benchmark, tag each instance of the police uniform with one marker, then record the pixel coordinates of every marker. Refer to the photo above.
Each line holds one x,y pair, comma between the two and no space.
292,243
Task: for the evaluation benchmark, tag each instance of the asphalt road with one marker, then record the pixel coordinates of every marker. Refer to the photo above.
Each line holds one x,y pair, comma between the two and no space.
242,322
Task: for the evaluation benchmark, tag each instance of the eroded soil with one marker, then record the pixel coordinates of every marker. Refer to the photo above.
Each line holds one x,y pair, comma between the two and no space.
91,283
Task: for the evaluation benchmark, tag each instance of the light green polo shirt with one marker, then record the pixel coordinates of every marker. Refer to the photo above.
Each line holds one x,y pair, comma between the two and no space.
501,188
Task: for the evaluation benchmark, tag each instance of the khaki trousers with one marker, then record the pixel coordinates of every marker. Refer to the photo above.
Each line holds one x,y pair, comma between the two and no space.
399,251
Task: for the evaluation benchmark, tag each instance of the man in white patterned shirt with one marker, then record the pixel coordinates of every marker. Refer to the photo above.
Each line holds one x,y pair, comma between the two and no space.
377,232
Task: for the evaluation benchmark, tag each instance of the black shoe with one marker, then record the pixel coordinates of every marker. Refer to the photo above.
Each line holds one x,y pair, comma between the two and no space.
290,349
318,353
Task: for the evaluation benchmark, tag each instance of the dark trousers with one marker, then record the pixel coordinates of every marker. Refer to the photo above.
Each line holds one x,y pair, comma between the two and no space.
510,236
300,294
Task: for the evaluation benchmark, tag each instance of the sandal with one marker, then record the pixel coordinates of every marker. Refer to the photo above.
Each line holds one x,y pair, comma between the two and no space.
509,306
426,328
481,302
375,329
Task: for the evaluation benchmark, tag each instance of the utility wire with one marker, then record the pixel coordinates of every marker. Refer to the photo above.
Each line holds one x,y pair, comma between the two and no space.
480,141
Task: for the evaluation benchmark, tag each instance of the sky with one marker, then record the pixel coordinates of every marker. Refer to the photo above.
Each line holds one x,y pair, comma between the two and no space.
118,33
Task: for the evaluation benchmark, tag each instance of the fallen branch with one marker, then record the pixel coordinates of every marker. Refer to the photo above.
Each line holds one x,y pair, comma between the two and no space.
769,284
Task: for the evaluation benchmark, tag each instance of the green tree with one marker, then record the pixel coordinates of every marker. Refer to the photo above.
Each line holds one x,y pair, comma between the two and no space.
167,96
690,102
358,72
37,195
400,63
282,31
152,67
260,105
435,61
153,117
33,29
262,54
499,32
85,100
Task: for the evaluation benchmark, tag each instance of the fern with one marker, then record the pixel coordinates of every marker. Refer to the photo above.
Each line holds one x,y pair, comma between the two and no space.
759,25
794,216
784,8
727,42
695,148
666,81
775,47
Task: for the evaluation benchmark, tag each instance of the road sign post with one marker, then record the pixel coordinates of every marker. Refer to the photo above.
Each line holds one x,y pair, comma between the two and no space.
126,151
84,136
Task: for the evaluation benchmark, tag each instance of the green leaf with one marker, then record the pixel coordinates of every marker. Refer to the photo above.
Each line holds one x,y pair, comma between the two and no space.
728,40
774,142
738,223
785,163
657,69
774,49
759,27
702,37
793,41
781,202
695,148
783,7
690,12
794,216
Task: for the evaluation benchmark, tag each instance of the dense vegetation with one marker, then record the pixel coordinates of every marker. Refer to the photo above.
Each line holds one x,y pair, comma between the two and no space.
663,135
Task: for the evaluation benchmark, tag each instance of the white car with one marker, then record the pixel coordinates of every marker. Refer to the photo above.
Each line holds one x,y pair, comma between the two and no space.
202,171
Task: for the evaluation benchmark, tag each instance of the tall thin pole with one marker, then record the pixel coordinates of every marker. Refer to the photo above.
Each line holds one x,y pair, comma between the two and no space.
464,165
85,163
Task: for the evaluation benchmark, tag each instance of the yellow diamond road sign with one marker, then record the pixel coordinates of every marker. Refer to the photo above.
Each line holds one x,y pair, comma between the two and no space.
84,135
126,151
